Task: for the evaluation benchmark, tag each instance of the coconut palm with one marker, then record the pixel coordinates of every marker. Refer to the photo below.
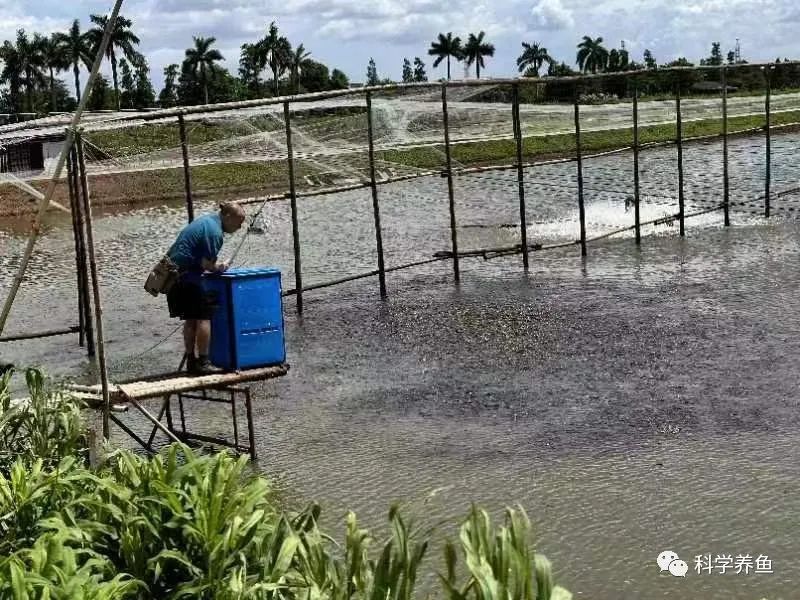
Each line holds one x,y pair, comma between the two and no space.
446,47
250,66
12,73
77,50
475,50
275,52
24,65
122,39
54,60
297,60
202,60
592,56
532,58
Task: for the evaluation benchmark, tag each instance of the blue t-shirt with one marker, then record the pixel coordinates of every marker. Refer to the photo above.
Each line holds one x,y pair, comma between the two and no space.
200,239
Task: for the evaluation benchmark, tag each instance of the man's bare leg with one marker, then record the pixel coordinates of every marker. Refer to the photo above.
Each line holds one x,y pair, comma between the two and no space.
189,335
202,337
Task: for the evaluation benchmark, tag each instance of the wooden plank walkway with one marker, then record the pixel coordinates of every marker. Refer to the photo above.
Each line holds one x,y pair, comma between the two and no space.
173,383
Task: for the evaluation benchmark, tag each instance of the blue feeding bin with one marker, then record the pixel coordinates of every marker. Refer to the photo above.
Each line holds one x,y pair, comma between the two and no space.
247,325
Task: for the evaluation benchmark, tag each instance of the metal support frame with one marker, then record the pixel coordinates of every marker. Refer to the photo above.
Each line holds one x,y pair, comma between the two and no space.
222,395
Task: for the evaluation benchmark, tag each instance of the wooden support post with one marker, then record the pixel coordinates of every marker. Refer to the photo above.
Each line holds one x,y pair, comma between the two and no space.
636,189
73,205
83,265
450,190
579,159
298,269
375,206
187,176
523,221
726,198
679,139
98,307
767,129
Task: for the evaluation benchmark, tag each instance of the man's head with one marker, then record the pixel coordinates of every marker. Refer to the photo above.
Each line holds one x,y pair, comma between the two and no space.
232,216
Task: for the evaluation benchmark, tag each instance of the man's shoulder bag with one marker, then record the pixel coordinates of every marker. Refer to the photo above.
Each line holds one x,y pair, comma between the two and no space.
162,277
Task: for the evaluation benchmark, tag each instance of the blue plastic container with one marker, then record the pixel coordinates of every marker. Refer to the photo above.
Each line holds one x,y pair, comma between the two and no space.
247,325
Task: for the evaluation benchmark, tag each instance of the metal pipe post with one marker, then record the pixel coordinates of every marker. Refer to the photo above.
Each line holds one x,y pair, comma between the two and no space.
98,307
298,276
767,129
579,160
523,221
187,177
450,191
636,190
679,139
726,198
375,206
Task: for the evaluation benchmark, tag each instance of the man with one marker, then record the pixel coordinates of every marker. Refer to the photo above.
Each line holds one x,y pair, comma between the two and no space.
195,251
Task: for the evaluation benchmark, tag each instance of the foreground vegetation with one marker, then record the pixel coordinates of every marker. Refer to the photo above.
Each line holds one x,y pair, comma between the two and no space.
180,525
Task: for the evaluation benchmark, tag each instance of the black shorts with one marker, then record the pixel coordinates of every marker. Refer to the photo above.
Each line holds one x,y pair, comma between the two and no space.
189,301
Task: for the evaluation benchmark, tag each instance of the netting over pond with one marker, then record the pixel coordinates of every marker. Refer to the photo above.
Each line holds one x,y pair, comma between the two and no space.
478,171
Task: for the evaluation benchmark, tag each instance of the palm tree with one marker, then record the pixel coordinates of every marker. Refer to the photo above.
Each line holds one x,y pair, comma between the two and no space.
54,60
446,47
297,60
475,50
250,65
532,58
77,50
12,73
25,64
592,56
122,38
202,58
276,52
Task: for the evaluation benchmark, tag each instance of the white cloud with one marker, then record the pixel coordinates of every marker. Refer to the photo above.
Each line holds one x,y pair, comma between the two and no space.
551,15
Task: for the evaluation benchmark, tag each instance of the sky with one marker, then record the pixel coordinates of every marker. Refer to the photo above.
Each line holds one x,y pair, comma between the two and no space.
344,34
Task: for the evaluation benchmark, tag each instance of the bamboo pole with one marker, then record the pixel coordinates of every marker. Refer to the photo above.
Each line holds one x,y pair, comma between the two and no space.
767,129
523,221
636,188
76,235
726,198
450,190
51,188
679,139
375,206
187,176
98,307
579,160
84,261
298,276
